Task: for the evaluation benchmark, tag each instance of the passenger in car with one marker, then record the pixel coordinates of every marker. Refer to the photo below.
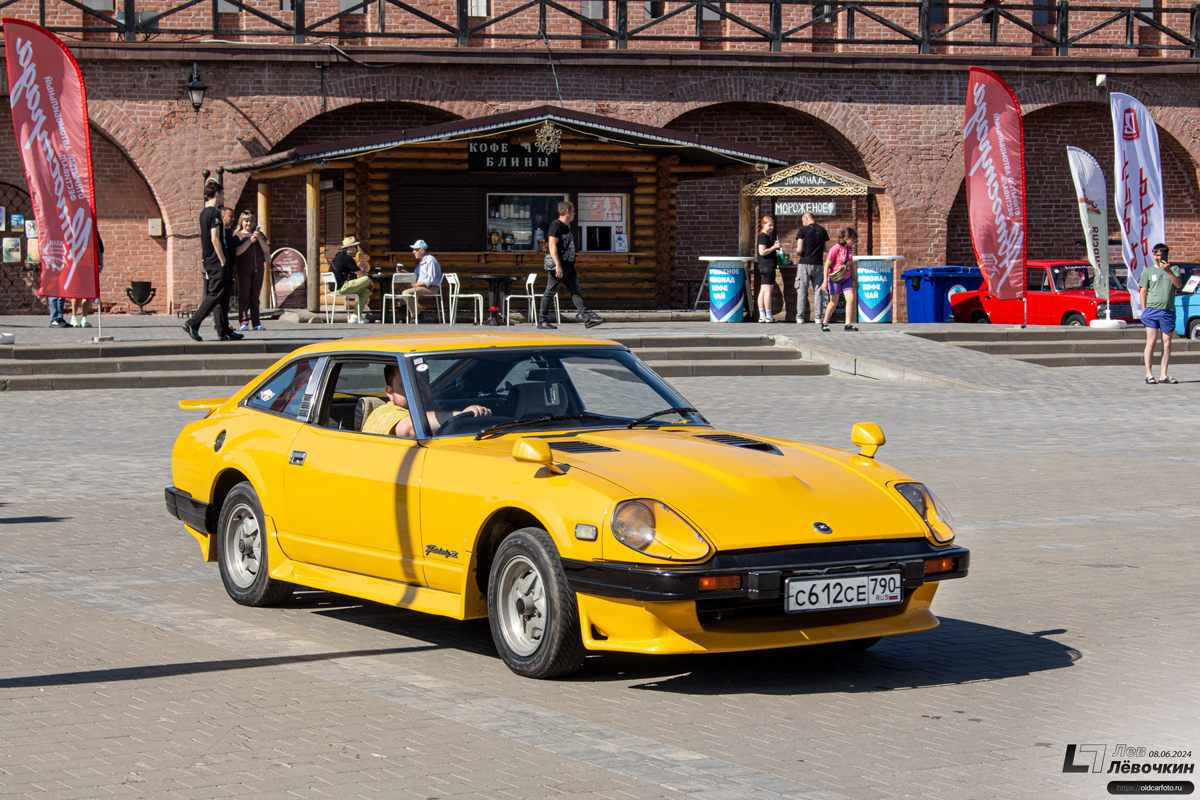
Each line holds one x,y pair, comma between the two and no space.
394,416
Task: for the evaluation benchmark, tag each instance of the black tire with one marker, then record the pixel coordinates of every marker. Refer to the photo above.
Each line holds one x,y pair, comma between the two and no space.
980,318
535,639
1193,329
1075,320
242,551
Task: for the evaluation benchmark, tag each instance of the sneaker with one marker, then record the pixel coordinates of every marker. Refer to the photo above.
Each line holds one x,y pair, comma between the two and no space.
74,323
771,320
231,335
245,326
593,322
361,320
259,328
83,322
59,323
351,319
762,319
801,321
192,332
545,326
850,328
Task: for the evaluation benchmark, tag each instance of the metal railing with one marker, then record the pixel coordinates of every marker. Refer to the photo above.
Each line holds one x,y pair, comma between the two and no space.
921,26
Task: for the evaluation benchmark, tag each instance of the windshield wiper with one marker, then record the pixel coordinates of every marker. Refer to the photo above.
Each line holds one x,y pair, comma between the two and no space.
681,410
536,420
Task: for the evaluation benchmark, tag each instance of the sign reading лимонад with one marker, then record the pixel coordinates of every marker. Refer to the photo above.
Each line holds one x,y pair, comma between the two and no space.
499,155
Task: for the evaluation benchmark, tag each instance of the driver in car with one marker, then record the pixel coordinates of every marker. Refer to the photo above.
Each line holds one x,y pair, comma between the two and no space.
394,418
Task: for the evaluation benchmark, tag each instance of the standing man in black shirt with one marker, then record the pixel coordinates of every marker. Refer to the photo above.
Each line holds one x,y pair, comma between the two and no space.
216,267
561,266
810,247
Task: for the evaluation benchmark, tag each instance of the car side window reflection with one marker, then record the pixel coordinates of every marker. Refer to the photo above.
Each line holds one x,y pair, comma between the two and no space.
283,392
1035,280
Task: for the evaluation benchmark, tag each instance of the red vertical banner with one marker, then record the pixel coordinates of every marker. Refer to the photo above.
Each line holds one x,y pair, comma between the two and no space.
49,108
994,160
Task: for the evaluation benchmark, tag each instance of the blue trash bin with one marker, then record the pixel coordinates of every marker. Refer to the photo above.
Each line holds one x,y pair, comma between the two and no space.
930,289
726,290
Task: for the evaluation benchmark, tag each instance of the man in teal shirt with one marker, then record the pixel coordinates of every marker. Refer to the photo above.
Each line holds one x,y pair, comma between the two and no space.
1157,288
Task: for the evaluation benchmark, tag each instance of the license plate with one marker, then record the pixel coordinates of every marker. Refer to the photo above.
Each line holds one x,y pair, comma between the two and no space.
845,591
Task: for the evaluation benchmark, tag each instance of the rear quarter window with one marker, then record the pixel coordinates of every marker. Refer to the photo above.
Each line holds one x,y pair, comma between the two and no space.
284,392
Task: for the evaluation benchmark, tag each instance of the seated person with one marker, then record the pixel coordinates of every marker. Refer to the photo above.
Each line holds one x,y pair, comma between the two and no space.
429,275
394,418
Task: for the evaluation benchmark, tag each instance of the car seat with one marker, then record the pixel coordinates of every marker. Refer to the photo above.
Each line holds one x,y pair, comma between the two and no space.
363,409
537,399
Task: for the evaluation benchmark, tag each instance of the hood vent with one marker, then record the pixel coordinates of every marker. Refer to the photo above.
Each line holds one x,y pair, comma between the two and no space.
581,447
740,441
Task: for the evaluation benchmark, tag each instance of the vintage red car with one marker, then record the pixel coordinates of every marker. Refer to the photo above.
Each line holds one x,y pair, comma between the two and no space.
1058,293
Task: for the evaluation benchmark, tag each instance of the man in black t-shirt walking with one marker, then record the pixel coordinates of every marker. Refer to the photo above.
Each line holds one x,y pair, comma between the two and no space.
561,266
810,248
216,260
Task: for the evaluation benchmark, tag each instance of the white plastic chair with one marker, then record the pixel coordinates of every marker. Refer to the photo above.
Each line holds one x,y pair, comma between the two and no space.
456,295
330,298
413,303
397,291
533,298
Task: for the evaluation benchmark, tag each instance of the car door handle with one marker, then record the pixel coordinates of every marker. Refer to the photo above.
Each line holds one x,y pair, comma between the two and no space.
297,458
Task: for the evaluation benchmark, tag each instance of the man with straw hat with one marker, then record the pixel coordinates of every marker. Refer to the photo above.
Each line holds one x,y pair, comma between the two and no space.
350,278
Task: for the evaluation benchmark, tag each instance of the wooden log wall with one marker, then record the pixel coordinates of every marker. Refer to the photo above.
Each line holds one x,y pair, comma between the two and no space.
642,278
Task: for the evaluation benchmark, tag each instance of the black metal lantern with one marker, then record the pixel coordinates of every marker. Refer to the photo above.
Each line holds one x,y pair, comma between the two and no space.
196,88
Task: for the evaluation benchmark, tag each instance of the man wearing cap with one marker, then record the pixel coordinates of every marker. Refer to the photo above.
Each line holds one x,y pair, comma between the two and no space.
350,278
429,275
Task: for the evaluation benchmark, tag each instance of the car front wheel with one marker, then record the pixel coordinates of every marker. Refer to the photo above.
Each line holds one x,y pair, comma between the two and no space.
531,607
980,318
1075,320
242,551
1193,329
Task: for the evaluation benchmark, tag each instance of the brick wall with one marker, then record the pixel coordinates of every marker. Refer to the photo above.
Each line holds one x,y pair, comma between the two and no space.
124,204
1055,230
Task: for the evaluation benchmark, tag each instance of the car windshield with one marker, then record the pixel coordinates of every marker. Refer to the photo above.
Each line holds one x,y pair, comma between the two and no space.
1081,276
544,389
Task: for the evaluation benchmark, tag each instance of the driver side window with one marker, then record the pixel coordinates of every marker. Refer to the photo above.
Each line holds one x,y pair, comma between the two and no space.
1035,280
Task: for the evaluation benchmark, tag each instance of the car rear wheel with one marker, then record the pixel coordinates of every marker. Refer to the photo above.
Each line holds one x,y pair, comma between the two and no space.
242,551
980,318
531,607
1193,329
1075,320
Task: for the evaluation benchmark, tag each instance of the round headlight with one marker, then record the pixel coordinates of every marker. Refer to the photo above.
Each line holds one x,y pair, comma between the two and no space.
931,509
652,528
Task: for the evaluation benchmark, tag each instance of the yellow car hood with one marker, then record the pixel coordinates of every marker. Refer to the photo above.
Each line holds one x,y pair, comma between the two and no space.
747,498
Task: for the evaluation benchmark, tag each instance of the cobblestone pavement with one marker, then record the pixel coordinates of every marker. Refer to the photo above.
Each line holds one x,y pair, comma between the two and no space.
125,671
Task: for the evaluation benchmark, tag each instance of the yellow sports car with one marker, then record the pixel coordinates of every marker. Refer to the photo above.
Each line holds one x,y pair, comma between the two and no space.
559,487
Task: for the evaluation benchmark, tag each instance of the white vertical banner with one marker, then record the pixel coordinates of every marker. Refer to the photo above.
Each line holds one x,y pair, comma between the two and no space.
1139,191
1093,213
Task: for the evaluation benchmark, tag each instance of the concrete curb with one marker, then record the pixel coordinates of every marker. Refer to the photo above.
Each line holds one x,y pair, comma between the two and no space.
849,364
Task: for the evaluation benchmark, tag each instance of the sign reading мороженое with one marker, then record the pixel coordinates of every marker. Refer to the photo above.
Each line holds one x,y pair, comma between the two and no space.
497,155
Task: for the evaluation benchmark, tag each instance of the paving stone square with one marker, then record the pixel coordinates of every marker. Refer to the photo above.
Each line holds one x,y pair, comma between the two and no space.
126,671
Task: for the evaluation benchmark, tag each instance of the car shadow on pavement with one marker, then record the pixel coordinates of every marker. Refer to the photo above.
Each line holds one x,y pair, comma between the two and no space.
957,652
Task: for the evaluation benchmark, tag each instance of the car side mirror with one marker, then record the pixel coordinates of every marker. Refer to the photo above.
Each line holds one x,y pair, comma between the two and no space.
867,435
536,451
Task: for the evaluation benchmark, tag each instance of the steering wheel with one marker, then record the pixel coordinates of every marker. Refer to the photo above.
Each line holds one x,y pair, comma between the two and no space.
464,423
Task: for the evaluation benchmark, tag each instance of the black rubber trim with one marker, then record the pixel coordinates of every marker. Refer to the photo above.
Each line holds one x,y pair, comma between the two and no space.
764,571
189,511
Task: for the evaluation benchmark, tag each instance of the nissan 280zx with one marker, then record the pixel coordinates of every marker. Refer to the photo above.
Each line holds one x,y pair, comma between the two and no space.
592,509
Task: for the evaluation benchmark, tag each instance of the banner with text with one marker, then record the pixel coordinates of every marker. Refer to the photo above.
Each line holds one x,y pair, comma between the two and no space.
49,108
1138,199
994,160
1093,212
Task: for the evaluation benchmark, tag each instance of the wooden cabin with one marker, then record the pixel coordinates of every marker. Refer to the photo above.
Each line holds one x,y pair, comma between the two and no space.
483,191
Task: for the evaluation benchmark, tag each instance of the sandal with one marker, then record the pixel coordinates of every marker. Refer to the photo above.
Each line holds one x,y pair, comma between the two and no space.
824,327
1150,380
851,328
1167,379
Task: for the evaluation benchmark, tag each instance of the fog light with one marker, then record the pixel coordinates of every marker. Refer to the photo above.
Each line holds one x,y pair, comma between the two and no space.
940,565
720,583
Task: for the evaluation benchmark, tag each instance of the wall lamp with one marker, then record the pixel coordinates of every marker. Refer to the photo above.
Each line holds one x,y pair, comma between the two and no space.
196,88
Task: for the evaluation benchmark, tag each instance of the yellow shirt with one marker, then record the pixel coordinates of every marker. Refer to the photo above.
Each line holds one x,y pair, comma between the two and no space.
385,418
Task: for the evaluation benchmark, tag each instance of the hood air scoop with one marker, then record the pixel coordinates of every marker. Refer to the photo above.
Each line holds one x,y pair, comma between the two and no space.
581,447
741,441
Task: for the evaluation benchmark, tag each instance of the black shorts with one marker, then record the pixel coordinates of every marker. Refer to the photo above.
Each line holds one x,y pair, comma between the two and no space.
767,272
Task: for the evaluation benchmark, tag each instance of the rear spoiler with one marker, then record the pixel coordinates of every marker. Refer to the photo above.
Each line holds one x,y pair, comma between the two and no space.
209,404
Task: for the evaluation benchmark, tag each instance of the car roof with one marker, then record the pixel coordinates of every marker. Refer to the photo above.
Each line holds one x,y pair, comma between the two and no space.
449,340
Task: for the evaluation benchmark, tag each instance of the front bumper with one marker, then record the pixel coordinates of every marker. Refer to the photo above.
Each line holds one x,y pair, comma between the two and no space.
764,575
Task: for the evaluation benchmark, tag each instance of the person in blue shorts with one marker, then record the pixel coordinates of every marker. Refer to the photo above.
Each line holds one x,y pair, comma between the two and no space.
1157,288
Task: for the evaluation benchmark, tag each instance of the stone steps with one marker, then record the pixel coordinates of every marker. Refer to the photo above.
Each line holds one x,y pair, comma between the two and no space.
140,365
1064,347
1082,348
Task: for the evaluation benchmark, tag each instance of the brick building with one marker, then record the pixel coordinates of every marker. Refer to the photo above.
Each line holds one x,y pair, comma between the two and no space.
882,101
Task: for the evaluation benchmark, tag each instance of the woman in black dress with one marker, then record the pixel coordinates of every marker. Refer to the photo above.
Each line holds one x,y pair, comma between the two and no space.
767,247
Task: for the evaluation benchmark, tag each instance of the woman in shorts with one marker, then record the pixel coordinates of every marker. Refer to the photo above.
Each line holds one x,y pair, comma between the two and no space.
768,246
839,277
